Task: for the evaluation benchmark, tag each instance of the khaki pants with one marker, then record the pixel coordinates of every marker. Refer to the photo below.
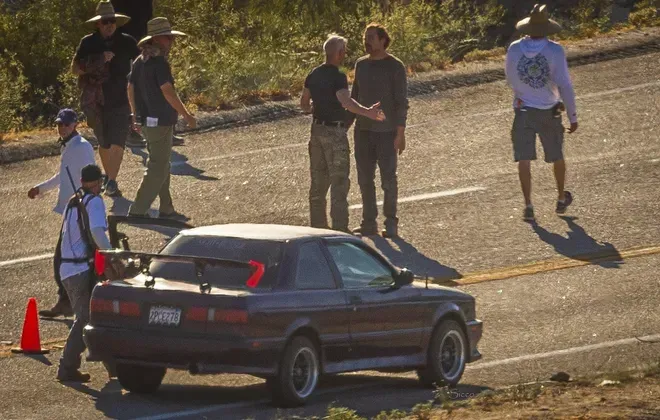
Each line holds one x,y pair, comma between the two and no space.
329,155
156,180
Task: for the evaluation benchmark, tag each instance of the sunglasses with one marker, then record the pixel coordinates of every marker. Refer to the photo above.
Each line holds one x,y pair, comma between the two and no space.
108,21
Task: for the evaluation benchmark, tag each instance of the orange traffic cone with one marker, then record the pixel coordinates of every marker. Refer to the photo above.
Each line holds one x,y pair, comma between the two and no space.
30,341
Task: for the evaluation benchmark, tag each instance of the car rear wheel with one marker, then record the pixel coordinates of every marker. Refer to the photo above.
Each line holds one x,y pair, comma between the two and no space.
447,356
298,374
140,379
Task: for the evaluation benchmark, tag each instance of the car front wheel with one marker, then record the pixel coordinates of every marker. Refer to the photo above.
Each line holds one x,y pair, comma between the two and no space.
447,356
140,379
298,374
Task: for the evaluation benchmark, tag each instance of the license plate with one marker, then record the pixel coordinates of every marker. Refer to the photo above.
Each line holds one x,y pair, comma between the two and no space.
163,315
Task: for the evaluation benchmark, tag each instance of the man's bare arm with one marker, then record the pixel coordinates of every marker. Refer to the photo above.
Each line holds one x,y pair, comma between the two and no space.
75,68
173,99
306,101
344,97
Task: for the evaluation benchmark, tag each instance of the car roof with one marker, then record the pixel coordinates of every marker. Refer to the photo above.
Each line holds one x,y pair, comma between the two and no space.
267,232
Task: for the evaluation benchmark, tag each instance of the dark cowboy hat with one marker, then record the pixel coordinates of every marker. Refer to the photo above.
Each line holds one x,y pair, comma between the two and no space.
538,23
159,26
104,10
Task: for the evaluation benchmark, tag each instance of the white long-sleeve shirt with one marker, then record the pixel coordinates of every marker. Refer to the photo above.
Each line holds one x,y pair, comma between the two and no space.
537,71
76,154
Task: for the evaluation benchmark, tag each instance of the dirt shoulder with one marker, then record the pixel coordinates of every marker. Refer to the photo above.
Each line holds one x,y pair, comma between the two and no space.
477,68
620,395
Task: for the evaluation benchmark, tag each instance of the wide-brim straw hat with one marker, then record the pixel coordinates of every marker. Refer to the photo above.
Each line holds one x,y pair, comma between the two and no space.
538,23
159,26
104,10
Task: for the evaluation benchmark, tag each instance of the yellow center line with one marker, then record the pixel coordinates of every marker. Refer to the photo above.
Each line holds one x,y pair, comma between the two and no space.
545,266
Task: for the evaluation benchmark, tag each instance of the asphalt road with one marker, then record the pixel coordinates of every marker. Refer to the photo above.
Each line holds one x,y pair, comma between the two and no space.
460,212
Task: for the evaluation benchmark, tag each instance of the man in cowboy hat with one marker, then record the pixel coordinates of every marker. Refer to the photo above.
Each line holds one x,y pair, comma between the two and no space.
102,62
156,106
537,71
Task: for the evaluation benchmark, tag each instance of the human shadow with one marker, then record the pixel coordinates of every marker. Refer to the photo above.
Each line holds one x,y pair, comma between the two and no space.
67,321
409,257
579,245
180,165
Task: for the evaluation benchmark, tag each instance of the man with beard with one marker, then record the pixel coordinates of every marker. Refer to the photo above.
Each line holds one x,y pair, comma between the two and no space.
102,62
379,78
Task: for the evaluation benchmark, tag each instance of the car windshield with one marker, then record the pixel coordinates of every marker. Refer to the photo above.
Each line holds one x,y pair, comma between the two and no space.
227,277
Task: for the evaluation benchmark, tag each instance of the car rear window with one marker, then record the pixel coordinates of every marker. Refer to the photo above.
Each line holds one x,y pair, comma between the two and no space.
227,277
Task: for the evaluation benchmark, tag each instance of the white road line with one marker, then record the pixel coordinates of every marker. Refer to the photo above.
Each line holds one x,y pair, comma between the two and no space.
26,259
572,350
485,365
428,196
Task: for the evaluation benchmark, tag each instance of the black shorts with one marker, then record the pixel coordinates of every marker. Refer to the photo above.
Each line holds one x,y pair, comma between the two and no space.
112,127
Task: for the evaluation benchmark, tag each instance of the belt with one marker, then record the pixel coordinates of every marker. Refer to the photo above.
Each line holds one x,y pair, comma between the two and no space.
329,123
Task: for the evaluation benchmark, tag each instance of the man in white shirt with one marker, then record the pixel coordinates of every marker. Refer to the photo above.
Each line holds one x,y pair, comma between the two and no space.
537,71
76,153
76,271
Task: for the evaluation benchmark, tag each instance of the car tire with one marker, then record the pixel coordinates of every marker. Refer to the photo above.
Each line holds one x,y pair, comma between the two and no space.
447,356
140,379
298,374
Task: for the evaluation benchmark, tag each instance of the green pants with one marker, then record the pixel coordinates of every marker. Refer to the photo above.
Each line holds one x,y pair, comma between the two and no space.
156,180
329,156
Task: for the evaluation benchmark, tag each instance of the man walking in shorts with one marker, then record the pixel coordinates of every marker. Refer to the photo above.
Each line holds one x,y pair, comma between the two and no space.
537,71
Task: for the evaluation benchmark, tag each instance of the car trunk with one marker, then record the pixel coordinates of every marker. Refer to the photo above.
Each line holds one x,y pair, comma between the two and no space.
169,307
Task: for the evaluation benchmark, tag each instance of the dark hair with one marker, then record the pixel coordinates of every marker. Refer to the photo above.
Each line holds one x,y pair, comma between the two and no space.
381,30
91,173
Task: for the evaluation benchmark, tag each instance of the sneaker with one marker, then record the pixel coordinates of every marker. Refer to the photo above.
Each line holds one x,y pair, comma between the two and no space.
568,199
73,376
174,216
361,231
62,308
528,214
112,189
177,141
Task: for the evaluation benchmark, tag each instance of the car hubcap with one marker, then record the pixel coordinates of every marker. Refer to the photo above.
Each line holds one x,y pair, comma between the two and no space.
304,372
452,355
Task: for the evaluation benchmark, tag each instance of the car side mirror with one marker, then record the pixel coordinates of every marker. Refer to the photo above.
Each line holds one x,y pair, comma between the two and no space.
404,278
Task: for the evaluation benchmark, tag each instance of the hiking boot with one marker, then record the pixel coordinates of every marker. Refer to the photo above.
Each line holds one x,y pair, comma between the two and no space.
568,199
528,214
112,189
390,232
73,376
62,307
361,231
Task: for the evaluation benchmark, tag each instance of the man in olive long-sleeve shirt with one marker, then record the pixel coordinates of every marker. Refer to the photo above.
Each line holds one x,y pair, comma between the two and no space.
379,77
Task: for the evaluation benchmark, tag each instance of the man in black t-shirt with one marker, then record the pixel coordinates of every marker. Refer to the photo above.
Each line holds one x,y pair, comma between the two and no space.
326,96
102,62
156,106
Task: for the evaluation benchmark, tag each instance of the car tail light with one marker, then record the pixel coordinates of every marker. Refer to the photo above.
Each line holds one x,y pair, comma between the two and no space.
99,263
197,314
255,278
130,309
230,316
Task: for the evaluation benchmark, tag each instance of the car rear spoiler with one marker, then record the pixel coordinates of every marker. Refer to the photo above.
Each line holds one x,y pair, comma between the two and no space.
116,237
145,259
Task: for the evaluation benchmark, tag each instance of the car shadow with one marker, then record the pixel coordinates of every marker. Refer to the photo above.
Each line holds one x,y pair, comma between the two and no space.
180,165
406,255
355,391
579,245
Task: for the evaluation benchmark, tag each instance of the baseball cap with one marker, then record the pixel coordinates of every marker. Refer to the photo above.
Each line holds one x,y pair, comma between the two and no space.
91,173
67,116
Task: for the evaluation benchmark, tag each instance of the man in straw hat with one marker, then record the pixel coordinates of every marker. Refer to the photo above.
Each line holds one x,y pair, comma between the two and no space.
102,62
537,71
156,106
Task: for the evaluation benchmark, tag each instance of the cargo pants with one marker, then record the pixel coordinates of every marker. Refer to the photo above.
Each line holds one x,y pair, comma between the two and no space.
156,180
329,156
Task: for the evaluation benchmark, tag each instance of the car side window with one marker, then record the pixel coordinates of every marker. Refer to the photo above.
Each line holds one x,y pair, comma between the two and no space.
312,270
358,268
